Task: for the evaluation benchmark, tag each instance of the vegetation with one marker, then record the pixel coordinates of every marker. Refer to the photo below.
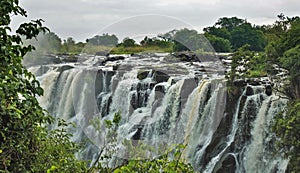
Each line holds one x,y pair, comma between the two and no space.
26,144
281,55
287,129
161,164
237,32
103,40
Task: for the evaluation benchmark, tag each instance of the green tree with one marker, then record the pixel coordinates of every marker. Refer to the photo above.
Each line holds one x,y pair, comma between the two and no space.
246,34
284,52
128,42
218,32
287,129
103,40
219,44
291,62
186,39
229,23
238,31
24,139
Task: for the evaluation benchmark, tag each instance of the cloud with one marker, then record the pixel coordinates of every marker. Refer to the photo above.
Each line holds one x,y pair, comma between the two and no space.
82,19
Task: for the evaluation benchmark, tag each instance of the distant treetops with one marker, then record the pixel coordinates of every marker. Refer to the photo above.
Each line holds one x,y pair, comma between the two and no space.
228,34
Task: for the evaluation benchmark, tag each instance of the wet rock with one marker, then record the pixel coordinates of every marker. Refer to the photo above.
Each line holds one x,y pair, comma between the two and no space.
239,83
102,53
227,165
160,76
249,91
115,58
187,56
160,89
115,67
142,75
157,76
65,67
268,90
255,82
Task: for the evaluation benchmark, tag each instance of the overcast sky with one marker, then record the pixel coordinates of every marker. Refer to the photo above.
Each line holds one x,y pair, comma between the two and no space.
83,19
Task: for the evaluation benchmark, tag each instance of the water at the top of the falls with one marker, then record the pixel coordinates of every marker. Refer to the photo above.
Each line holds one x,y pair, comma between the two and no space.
164,102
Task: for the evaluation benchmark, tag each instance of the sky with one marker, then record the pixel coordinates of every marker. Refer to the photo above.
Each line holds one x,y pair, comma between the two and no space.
82,19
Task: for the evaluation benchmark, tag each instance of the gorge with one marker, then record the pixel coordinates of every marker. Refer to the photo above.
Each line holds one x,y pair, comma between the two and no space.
165,101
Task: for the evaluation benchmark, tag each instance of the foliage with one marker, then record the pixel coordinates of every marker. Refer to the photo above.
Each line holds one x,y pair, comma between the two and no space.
246,34
186,39
287,129
238,31
128,42
26,145
110,143
103,40
284,52
162,164
240,63
220,44
284,36
58,152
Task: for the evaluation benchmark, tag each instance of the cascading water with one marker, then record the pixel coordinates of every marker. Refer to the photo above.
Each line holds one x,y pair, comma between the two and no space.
165,102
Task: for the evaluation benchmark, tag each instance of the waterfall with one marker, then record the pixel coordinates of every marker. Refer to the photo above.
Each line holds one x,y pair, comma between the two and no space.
164,103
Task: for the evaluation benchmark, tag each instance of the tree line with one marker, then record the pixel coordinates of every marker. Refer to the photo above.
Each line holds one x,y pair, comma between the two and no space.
228,34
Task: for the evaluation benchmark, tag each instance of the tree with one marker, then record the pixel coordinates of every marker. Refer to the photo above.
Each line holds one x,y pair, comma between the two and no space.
218,32
103,40
219,44
128,42
229,23
287,128
246,34
168,36
238,31
25,142
186,39
284,52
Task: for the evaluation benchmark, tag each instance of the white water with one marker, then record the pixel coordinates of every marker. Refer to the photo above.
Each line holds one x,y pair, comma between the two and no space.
184,109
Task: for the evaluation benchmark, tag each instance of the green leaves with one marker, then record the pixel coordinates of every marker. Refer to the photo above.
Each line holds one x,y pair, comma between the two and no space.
163,164
286,128
26,144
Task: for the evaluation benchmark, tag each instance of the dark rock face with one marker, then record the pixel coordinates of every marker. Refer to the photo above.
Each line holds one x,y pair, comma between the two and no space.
157,76
115,58
194,57
110,59
268,90
142,75
187,56
249,91
254,82
160,76
239,83
65,67
227,165
42,70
